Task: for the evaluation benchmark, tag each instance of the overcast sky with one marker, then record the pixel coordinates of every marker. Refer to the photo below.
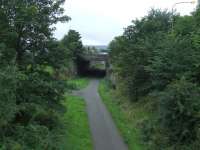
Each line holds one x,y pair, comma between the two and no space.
99,21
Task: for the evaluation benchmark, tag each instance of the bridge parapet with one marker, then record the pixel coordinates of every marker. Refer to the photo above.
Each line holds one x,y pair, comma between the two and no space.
96,57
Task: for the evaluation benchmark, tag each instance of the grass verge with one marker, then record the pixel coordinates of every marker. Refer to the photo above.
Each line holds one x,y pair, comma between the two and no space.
77,135
126,115
78,83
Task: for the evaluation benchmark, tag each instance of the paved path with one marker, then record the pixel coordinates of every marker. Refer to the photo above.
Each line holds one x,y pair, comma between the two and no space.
104,132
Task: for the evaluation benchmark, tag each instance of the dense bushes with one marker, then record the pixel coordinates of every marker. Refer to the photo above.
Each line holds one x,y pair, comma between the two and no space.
30,95
153,59
179,111
136,48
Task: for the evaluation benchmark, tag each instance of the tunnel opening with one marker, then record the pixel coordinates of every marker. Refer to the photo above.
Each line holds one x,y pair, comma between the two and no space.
95,73
92,69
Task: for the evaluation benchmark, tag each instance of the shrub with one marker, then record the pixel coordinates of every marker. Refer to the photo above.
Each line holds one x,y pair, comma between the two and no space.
179,111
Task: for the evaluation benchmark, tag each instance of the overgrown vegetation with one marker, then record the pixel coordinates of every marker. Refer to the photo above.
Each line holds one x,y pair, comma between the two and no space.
72,42
154,61
33,69
77,136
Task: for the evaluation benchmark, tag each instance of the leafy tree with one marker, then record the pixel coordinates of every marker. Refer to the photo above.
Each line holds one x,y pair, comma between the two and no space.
151,58
72,42
30,96
133,51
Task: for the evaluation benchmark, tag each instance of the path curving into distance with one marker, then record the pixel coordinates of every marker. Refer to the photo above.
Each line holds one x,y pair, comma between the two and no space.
104,132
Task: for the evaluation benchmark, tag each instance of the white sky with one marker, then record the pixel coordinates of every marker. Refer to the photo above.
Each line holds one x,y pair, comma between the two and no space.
99,21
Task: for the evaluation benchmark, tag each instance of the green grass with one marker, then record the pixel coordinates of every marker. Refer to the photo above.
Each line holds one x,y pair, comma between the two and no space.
126,115
98,66
49,70
77,135
78,83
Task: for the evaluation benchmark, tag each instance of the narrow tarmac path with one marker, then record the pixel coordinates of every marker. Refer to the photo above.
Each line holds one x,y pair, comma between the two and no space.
104,132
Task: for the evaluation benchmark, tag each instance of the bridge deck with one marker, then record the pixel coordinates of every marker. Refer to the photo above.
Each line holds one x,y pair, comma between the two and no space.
96,57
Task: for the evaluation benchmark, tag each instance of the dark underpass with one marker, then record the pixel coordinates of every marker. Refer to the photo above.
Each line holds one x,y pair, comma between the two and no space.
98,73
91,68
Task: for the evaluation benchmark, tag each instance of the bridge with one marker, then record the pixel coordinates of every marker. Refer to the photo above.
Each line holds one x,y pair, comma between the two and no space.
102,57
96,57
99,58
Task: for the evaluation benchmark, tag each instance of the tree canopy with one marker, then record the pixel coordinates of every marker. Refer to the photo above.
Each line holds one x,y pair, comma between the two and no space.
30,97
152,59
